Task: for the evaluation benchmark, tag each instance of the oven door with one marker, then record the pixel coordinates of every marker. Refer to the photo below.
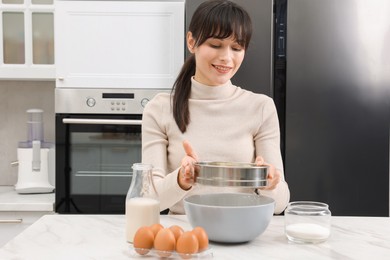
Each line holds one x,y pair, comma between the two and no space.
94,155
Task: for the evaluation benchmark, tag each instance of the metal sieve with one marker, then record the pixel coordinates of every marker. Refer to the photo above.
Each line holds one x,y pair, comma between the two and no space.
225,174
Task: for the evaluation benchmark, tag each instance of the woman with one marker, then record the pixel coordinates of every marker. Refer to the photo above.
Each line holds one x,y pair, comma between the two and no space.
206,118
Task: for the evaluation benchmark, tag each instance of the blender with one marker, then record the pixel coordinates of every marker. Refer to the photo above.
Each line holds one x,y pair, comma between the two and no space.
33,157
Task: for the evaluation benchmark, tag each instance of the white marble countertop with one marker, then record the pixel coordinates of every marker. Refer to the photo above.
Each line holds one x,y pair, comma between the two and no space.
103,237
10,200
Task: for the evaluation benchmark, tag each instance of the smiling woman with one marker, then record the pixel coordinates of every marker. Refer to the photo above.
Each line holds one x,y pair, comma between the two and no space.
210,117
217,60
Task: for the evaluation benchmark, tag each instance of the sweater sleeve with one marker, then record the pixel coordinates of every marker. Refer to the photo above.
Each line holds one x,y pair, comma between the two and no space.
154,151
267,143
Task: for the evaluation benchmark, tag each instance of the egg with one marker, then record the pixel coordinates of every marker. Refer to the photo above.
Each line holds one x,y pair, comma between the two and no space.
164,241
177,231
156,227
187,244
143,240
203,238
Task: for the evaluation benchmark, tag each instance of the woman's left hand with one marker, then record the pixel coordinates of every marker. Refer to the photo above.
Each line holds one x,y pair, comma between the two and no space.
273,175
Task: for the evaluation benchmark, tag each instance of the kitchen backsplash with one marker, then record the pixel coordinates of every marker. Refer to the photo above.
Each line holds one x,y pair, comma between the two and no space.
15,98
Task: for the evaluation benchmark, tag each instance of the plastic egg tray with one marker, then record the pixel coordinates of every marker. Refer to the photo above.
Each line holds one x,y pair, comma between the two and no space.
205,254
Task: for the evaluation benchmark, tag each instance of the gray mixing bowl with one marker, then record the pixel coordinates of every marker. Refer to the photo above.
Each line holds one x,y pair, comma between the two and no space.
230,217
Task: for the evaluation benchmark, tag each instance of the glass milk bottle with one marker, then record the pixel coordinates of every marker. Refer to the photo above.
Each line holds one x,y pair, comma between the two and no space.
141,208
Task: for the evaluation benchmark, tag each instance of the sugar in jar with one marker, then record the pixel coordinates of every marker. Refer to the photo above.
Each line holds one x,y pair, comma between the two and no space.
307,222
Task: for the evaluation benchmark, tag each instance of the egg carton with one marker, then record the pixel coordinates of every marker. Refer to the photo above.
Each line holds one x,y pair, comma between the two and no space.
153,253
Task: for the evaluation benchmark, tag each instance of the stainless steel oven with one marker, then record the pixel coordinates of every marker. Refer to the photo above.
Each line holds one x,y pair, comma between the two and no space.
98,138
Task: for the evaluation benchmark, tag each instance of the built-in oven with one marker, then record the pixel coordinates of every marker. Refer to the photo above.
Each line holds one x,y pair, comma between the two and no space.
98,138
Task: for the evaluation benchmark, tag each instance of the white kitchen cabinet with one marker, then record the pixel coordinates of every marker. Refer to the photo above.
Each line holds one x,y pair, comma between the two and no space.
27,39
118,44
18,211
14,222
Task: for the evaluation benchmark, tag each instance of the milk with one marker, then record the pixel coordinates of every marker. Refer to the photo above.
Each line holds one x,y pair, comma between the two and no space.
140,212
307,232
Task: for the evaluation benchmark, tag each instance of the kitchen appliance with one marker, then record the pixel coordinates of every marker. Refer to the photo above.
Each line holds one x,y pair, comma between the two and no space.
112,57
325,63
34,157
96,147
337,109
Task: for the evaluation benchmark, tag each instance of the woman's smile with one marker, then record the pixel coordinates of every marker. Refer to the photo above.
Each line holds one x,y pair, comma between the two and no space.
222,69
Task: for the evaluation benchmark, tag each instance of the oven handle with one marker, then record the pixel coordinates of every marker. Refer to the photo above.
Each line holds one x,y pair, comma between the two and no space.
101,121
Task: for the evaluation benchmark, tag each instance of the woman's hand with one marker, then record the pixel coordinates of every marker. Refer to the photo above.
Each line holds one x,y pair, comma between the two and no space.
185,177
273,175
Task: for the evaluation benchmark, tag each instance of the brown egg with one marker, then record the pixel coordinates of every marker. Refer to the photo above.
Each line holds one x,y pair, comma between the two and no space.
203,238
143,240
164,241
156,227
187,244
177,231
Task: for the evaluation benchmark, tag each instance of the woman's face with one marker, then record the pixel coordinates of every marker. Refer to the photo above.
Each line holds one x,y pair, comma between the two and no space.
217,60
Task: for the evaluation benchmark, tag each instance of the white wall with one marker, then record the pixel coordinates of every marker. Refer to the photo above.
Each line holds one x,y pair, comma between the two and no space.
15,98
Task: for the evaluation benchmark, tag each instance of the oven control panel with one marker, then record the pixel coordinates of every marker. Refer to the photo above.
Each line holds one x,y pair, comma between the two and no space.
103,101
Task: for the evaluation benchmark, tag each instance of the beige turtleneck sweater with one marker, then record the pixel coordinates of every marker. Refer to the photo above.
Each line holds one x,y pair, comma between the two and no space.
227,123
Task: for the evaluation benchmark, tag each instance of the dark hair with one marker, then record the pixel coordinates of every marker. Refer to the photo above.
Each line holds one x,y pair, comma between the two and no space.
215,18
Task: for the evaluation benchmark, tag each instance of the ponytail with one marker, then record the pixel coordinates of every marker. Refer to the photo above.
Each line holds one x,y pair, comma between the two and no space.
215,18
181,93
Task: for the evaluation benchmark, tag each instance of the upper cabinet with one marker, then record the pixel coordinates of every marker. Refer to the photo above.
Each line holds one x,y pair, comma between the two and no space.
27,39
119,44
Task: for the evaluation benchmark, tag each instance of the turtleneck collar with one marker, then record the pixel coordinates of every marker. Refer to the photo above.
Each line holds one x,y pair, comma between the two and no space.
201,91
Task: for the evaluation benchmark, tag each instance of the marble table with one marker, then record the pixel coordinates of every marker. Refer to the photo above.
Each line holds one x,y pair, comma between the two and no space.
103,237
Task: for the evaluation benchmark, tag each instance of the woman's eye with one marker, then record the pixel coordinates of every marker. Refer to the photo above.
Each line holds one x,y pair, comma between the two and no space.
238,48
214,46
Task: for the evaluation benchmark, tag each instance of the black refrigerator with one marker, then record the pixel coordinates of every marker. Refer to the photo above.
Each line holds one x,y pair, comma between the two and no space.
326,64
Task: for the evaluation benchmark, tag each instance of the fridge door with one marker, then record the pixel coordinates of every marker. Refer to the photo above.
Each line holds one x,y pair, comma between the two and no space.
337,104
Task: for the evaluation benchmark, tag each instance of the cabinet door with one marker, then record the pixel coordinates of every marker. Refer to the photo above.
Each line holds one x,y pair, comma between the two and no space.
119,44
27,39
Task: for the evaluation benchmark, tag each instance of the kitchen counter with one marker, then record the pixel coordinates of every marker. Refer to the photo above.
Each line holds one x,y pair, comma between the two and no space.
10,200
103,237
19,211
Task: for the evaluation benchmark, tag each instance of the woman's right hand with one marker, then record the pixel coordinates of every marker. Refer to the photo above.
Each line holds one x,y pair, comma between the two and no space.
186,174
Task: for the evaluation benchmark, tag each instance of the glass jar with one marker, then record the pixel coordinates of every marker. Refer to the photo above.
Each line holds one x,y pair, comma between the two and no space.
307,222
142,205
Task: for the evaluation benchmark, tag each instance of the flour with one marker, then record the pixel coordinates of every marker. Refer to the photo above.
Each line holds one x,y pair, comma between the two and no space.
307,232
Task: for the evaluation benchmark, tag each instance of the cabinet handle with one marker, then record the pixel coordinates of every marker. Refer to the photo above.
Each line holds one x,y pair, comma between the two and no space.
20,220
